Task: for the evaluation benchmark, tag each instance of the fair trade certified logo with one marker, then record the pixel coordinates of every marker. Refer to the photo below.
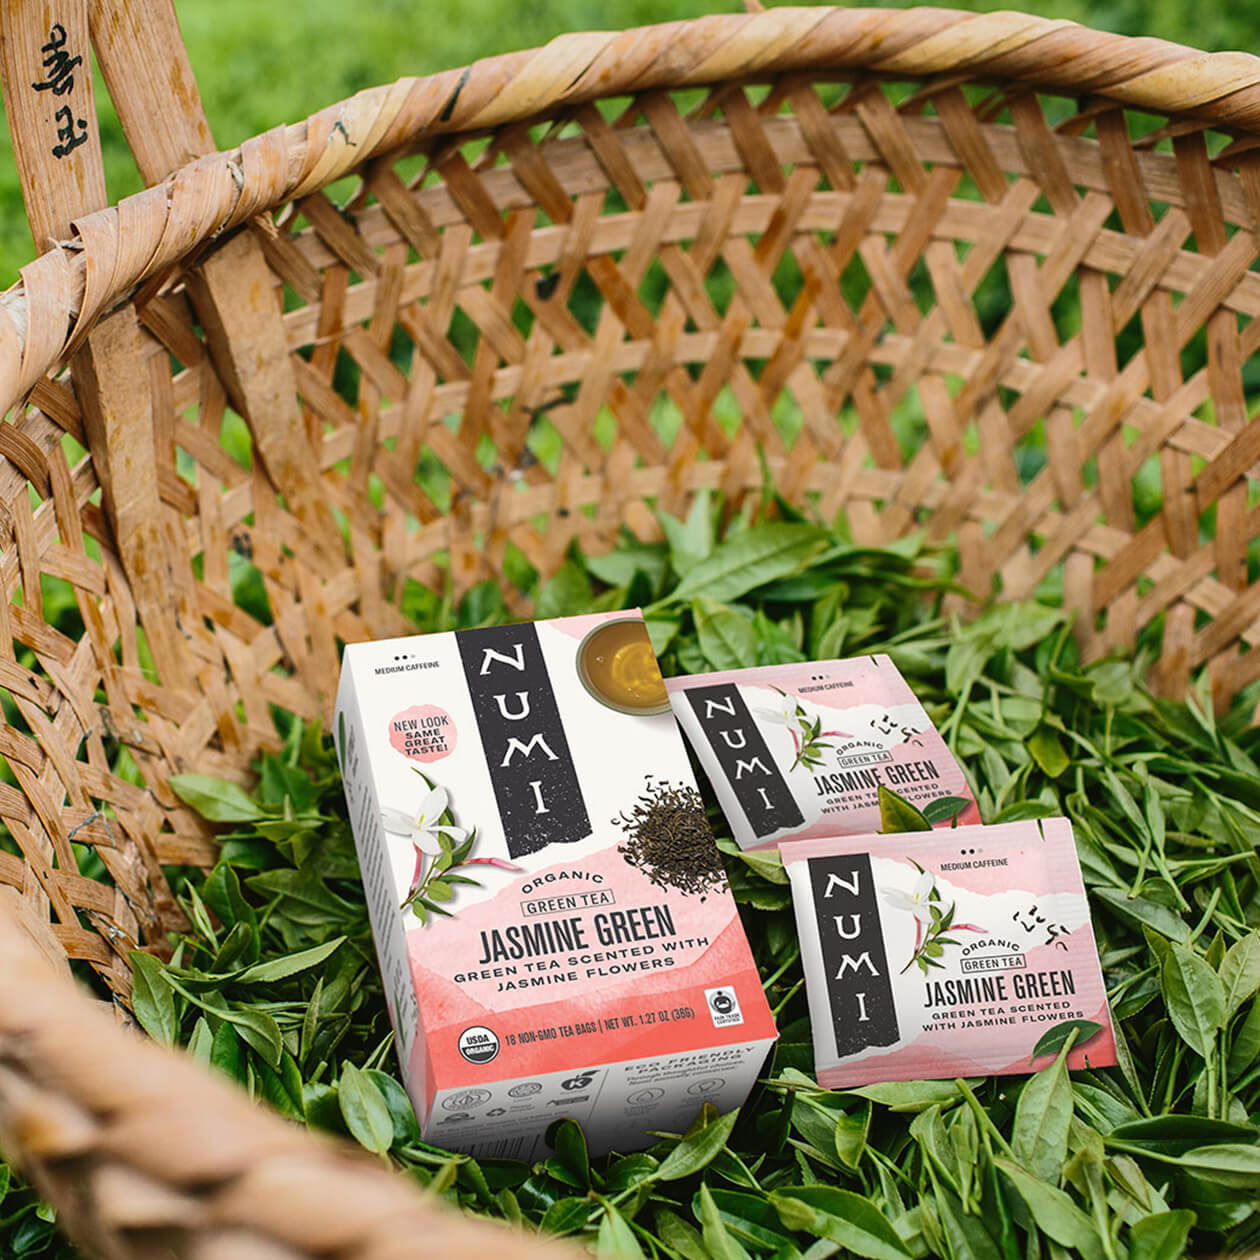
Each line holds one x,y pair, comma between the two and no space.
861,752
478,1044
723,1004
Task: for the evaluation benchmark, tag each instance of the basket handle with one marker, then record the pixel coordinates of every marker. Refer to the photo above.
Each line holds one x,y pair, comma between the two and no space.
145,1153
150,81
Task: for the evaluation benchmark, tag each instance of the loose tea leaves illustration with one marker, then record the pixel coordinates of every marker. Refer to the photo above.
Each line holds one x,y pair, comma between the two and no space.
670,840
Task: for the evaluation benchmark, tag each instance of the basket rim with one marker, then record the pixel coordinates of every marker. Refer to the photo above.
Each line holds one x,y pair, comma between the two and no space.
138,241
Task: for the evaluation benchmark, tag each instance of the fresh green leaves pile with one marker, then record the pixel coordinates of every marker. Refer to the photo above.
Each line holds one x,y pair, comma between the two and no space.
276,984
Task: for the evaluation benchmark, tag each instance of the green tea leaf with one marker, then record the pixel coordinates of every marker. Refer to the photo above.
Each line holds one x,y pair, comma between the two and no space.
401,1112
1043,1116
966,1237
1196,1000
223,895
226,1053
566,1138
1227,1164
691,541
215,799
697,1151
616,1238
726,637
201,1040
680,1237
565,1216
945,808
565,594
618,567
258,1030
1173,1135
283,1088
1245,1047
1054,1211
1141,911
661,633
364,1109
1054,1039
766,862
1161,1236
749,1217
1240,972
851,1134
840,1216
290,965
1100,1108
910,1096
152,999
749,560
898,814
717,1238
1046,749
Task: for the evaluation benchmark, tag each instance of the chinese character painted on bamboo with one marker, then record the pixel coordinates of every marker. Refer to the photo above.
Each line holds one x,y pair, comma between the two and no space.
58,64
66,132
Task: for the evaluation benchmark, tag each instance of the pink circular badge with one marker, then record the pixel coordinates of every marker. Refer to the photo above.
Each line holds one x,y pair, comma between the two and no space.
424,732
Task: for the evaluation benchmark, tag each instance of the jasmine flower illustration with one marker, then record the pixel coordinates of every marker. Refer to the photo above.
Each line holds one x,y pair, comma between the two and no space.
918,901
780,713
932,920
423,827
808,737
441,848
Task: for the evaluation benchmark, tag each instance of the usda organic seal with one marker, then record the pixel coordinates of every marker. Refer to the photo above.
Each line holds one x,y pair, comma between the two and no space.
478,1044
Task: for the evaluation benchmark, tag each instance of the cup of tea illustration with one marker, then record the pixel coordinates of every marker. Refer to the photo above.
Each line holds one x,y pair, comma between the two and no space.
617,665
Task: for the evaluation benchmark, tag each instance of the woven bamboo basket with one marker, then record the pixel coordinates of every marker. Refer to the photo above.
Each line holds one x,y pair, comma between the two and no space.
627,239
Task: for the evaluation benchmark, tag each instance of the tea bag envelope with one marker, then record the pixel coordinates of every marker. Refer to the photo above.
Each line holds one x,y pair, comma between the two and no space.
801,750
545,952
935,955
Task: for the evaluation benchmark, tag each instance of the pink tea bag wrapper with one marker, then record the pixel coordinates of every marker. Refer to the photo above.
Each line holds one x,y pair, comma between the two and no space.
797,751
935,955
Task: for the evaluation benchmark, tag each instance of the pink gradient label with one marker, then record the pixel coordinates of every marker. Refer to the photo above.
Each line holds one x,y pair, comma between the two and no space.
593,946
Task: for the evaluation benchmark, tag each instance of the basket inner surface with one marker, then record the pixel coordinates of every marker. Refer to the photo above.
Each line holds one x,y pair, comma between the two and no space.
1019,322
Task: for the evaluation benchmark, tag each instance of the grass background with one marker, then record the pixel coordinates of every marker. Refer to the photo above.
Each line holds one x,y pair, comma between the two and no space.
262,64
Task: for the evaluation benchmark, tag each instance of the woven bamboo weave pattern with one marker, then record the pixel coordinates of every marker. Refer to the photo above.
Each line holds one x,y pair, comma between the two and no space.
569,287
